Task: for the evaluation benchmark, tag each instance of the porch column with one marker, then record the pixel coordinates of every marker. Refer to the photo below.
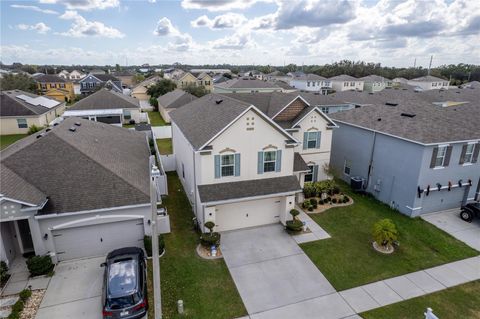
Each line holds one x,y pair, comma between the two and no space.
37,237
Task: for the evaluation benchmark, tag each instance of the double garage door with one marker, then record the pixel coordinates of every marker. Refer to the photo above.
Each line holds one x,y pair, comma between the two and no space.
443,200
97,240
248,214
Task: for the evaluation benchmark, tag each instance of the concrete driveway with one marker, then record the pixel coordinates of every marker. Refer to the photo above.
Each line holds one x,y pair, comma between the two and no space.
450,222
274,277
74,291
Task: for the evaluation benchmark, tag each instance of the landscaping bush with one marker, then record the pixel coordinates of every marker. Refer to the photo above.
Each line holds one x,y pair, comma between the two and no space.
18,306
384,232
320,202
131,122
25,294
147,243
306,203
314,202
294,226
310,208
346,199
211,239
336,190
334,200
33,129
3,272
294,213
328,199
14,315
309,190
39,265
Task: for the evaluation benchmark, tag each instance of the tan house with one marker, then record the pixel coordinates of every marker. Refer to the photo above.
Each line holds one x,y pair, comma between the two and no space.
140,90
55,87
20,110
172,101
184,79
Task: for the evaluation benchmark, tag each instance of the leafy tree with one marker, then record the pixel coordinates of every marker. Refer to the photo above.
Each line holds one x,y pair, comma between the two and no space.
117,67
154,102
227,75
138,78
198,91
162,87
18,81
384,232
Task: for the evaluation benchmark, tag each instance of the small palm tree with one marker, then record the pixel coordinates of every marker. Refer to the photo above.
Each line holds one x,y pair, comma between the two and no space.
385,233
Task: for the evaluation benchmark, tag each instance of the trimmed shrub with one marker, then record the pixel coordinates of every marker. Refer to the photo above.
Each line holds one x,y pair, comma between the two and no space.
131,122
3,272
294,213
334,200
147,243
294,226
336,190
320,202
211,239
33,129
328,199
346,199
309,190
25,294
210,225
310,208
306,203
39,265
18,306
314,202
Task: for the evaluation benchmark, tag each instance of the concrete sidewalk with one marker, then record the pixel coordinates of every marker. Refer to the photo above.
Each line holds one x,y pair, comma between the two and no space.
317,232
388,291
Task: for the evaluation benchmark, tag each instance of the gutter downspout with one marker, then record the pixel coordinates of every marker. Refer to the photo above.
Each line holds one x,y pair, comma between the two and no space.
370,163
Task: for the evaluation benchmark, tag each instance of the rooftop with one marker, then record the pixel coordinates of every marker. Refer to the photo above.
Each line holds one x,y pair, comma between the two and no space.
343,77
246,83
428,78
105,99
175,99
309,77
21,103
50,78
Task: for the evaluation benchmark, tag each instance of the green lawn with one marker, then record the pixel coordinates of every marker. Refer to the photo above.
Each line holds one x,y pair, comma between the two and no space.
6,140
156,119
128,125
457,302
205,286
165,146
348,260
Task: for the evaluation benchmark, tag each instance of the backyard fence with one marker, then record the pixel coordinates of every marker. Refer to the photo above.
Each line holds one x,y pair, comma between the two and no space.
162,131
169,162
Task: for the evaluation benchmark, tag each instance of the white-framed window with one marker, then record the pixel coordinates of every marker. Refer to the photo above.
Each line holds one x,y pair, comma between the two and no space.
309,175
312,140
345,83
127,115
352,83
227,165
269,161
441,154
313,83
469,153
308,83
22,123
347,167
325,109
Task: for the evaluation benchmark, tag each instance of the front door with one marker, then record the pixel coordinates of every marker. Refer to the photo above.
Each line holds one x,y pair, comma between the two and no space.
25,235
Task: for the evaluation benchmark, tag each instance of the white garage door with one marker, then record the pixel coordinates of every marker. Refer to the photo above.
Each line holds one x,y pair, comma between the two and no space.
247,214
97,240
443,200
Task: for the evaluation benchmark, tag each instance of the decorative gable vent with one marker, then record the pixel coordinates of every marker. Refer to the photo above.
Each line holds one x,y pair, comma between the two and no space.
250,123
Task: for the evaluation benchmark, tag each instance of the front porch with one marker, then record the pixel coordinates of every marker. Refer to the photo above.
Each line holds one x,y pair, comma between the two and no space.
16,240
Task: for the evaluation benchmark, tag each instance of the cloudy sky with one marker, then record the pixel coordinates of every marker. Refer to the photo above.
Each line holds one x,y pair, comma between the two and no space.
271,32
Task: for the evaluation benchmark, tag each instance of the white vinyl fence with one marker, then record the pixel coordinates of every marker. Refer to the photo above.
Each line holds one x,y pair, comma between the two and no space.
168,162
162,131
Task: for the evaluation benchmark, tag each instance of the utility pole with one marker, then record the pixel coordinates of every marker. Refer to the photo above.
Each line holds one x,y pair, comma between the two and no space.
157,298
430,65
415,63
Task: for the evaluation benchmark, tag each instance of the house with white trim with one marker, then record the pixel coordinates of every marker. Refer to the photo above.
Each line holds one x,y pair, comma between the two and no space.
243,162
78,189
346,82
429,82
312,83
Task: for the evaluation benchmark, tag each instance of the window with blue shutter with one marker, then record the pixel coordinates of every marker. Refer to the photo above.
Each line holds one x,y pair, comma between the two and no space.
260,163
217,166
319,135
278,166
237,164
311,140
305,140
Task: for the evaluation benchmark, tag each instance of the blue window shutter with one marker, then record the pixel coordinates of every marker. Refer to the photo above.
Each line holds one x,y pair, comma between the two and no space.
237,164
305,140
315,173
260,163
217,166
319,135
278,167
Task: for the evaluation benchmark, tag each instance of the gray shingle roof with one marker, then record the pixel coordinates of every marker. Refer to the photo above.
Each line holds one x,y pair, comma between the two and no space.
269,103
309,77
10,105
148,81
299,164
201,119
97,166
15,187
106,99
374,78
428,78
47,78
246,83
343,77
175,99
249,188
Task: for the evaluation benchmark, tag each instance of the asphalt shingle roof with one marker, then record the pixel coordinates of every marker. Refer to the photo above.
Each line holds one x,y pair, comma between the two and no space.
175,99
10,105
343,77
246,83
48,78
428,78
97,166
106,99
299,164
309,77
249,188
22,190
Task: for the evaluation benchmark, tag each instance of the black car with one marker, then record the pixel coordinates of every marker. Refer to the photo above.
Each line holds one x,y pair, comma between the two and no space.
470,211
125,284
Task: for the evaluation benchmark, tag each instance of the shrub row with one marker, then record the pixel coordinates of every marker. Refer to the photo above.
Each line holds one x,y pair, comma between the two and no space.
312,203
316,189
208,240
147,243
17,307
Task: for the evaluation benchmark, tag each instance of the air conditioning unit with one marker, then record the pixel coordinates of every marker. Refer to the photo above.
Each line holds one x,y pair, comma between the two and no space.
357,183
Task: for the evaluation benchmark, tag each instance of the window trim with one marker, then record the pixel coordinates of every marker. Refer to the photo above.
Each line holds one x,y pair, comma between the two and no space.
21,125
310,140
270,161
222,165
349,166
469,154
444,156
310,167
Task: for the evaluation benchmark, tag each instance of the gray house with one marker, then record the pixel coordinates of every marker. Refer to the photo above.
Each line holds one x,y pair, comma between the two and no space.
93,82
414,155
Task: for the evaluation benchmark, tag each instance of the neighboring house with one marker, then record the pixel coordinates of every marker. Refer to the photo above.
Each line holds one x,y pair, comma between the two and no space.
97,71
328,104
286,88
55,87
346,83
429,83
219,78
246,85
312,83
242,163
106,106
140,90
20,110
93,82
375,83
184,79
255,74
173,100
471,85
78,189
76,75
415,156
277,76
127,78
211,71
204,79
64,74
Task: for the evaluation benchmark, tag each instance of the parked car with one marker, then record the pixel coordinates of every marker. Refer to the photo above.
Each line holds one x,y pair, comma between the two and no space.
125,284
470,211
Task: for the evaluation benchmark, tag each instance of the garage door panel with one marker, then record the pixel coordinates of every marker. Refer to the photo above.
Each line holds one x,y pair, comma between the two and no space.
97,240
442,200
248,214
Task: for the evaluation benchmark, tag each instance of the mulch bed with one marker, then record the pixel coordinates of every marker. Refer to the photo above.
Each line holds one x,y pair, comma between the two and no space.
206,254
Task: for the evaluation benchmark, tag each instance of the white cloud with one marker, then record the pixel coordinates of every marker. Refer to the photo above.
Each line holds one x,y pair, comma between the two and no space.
165,27
179,41
40,27
33,8
237,41
224,21
220,5
85,4
82,28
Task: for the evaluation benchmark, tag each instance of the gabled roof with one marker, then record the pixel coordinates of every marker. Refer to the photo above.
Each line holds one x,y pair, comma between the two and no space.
343,77
374,78
175,99
309,77
50,78
299,164
269,103
11,105
101,77
106,99
147,81
246,83
97,166
428,78
16,188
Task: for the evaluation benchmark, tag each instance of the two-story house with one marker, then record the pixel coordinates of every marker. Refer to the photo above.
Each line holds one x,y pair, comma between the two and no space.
345,82
55,87
312,83
429,83
240,164
184,79
93,82
375,83
413,155
246,85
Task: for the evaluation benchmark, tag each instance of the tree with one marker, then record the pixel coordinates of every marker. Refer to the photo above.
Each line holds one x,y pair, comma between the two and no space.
137,78
227,75
161,87
198,91
384,233
18,82
117,67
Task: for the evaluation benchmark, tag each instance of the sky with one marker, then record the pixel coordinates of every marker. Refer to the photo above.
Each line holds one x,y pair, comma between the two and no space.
260,32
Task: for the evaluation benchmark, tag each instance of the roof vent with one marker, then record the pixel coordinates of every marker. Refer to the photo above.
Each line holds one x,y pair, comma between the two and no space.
379,119
371,93
72,129
391,104
218,101
78,124
48,130
40,135
408,115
